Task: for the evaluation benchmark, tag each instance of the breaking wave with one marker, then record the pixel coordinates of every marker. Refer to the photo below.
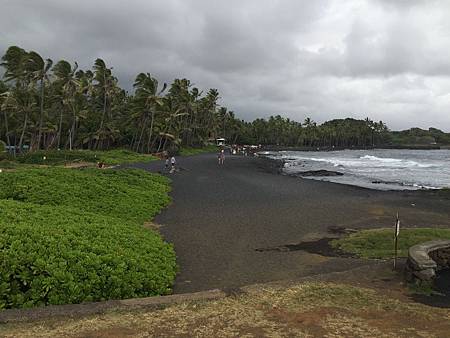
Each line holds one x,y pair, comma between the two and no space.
377,169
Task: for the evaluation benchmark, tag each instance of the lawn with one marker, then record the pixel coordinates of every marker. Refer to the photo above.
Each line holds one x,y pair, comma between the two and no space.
379,243
71,235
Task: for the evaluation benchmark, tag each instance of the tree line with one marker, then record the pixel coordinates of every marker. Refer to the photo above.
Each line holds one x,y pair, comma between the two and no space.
340,133
47,105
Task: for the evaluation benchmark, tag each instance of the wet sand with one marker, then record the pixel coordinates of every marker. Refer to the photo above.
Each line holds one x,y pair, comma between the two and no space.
222,217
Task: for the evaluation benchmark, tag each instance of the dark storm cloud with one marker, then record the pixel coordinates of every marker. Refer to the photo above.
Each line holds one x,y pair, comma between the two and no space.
327,58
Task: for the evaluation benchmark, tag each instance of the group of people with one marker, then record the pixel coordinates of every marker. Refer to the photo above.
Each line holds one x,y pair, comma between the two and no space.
170,163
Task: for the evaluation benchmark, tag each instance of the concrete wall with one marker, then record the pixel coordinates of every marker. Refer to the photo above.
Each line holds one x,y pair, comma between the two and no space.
425,259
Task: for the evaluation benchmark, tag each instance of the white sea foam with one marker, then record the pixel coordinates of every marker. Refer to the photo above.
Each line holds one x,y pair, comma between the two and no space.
379,169
395,161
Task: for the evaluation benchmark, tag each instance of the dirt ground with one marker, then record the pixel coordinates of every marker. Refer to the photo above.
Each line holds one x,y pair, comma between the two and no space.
366,302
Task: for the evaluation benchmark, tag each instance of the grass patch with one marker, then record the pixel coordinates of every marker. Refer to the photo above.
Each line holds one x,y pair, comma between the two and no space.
188,151
59,157
379,243
68,236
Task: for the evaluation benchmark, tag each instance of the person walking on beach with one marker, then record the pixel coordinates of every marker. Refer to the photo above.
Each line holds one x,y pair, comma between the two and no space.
173,162
167,163
222,156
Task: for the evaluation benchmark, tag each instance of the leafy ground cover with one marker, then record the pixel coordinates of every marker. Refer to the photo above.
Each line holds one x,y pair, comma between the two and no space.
379,243
188,151
309,309
58,157
68,236
128,194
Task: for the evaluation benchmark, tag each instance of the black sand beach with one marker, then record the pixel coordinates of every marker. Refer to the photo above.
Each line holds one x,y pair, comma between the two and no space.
222,219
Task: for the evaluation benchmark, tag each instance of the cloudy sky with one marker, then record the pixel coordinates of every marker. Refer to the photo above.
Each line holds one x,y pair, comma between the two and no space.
387,59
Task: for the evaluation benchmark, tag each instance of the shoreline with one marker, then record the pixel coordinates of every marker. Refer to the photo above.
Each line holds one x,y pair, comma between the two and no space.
277,166
327,149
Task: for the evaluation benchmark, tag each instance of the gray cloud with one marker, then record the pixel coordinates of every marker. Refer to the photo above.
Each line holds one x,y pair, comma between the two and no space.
325,58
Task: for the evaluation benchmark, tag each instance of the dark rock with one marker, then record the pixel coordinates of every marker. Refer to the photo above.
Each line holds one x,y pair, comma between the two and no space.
319,173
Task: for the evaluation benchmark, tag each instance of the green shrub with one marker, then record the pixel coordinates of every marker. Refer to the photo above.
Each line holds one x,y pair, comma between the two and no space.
130,194
59,255
57,157
71,235
379,243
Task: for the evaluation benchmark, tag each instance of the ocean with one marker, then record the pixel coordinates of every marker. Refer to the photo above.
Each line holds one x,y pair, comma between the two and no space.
382,169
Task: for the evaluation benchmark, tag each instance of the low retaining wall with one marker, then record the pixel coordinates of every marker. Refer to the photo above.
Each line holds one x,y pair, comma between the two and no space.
425,259
97,308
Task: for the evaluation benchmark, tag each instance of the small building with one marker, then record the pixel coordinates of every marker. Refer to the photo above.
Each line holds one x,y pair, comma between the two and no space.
220,141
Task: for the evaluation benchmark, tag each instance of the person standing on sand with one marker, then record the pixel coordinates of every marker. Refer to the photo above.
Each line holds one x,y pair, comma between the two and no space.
222,156
172,163
167,163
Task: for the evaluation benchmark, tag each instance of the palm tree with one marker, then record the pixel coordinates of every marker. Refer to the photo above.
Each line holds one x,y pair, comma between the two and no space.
147,99
38,70
4,96
105,85
69,85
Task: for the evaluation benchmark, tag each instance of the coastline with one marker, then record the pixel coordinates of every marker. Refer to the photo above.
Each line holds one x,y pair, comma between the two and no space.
221,215
406,147
308,168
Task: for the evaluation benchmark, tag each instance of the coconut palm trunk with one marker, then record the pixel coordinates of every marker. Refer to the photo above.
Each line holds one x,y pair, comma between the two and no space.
23,132
41,114
8,141
59,129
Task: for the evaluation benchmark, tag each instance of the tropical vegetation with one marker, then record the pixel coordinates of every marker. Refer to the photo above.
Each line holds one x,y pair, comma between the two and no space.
58,106
70,235
47,105
88,110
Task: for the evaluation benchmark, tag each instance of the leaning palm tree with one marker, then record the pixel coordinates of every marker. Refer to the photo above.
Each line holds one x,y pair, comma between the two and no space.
4,96
37,69
68,84
147,99
105,86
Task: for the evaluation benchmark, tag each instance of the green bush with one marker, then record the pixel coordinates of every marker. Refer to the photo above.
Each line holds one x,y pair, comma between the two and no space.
70,235
379,243
130,194
57,157
59,255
